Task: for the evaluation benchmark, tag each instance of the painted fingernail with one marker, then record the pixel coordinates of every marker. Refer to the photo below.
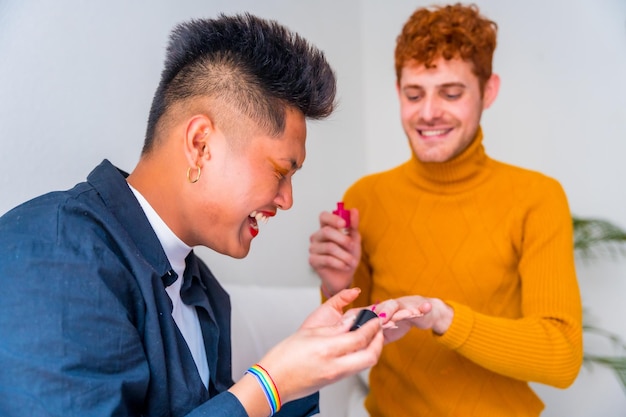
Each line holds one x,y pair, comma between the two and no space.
383,315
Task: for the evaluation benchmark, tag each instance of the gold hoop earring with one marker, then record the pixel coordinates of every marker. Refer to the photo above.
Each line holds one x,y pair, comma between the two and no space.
194,180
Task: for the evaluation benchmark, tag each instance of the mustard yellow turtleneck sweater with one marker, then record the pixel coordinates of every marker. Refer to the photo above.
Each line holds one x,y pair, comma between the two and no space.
493,241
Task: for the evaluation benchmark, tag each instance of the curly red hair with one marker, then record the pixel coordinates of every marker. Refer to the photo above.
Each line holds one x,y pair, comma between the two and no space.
449,32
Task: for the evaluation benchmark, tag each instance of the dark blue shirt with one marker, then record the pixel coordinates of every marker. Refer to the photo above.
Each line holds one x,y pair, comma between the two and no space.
85,321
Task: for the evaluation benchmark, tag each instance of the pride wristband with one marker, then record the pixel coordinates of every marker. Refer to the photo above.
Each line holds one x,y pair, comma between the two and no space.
268,385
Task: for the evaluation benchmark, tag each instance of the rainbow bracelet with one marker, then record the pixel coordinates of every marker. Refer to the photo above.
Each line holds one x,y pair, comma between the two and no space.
268,385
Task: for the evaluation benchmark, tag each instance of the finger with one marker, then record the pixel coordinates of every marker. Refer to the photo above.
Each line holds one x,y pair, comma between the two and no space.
329,219
359,360
330,238
322,233
354,219
387,308
338,328
406,314
340,341
365,352
325,261
350,362
330,243
343,298
358,339
425,308
343,326
390,325
367,331
391,311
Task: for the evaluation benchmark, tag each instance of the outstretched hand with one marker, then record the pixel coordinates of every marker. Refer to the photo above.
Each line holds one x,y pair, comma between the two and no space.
323,350
415,311
395,317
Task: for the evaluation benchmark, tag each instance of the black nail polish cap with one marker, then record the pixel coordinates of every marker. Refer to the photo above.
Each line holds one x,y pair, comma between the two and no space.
363,317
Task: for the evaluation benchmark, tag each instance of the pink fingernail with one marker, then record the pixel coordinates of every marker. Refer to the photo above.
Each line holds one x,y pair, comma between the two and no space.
383,315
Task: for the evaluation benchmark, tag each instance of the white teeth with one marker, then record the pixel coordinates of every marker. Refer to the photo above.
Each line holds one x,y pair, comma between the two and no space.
259,216
433,132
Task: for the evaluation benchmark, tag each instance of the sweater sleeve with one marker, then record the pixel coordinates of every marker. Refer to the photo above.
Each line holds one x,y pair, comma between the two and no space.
545,344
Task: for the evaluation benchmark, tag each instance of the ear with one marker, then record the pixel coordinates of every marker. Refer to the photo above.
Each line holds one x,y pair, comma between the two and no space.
492,86
197,134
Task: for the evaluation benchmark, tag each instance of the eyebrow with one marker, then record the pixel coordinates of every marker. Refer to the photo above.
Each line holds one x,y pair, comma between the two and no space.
453,84
444,85
293,165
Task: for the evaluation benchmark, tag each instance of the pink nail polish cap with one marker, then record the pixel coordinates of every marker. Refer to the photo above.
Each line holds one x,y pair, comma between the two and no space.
343,213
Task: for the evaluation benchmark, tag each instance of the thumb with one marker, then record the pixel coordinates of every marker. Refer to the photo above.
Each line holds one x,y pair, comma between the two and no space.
343,298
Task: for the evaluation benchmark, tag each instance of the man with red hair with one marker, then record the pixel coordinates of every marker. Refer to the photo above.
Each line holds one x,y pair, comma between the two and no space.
483,248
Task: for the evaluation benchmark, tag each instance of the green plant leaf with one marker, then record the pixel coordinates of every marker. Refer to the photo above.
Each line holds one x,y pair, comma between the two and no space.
616,363
593,235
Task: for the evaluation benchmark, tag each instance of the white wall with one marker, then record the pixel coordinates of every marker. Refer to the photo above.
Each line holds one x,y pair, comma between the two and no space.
77,78
76,83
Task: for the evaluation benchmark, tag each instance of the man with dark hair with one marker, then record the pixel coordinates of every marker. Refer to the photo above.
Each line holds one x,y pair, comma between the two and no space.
105,310
487,246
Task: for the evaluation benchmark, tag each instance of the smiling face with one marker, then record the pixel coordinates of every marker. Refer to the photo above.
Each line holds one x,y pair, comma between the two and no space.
441,106
244,184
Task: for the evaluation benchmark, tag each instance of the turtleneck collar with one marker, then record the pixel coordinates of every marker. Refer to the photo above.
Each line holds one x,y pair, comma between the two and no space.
459,174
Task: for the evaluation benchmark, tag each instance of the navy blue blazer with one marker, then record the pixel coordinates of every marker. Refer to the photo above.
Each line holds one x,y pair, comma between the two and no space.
85,321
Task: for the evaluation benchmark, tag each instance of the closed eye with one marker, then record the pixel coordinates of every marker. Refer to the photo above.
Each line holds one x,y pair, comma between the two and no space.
452,92
413,94
279,171
282,172
451,96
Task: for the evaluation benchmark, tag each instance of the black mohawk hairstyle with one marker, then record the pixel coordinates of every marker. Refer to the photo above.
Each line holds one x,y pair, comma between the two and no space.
279,63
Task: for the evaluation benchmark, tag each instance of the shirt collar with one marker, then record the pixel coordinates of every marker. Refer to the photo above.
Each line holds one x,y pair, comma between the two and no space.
175,249
110,184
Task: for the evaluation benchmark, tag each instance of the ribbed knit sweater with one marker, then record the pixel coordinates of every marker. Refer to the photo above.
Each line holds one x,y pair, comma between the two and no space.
493,241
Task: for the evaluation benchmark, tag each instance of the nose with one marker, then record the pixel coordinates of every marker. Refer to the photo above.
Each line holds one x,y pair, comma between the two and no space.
431,108
284,197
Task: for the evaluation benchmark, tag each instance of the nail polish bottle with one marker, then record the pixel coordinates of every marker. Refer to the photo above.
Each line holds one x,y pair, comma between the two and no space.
344,214
363,317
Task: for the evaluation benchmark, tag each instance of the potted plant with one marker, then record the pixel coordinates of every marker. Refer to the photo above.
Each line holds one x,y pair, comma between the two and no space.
594,237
